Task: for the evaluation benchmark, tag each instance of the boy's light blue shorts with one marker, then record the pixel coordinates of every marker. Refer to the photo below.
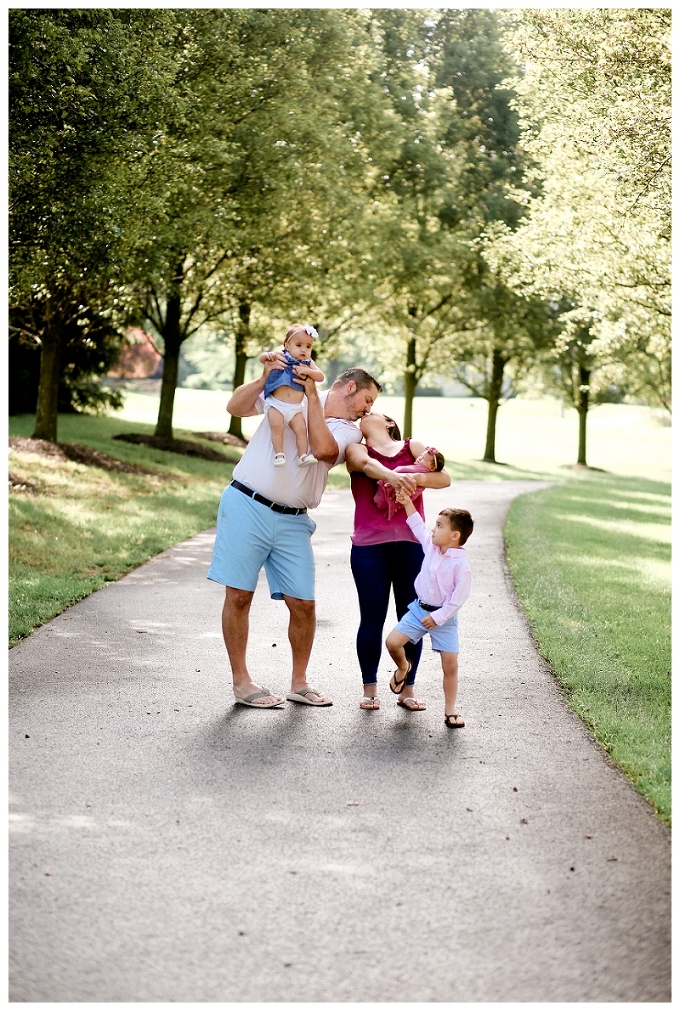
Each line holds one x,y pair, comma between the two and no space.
250,536
444,637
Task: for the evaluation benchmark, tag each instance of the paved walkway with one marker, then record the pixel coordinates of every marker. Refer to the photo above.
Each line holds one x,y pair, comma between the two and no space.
168,846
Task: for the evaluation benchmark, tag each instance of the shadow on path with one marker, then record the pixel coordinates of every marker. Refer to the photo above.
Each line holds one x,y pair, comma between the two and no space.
169,846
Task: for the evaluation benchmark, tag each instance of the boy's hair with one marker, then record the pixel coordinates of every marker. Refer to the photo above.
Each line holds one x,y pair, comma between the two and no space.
440,461
358,376
461,521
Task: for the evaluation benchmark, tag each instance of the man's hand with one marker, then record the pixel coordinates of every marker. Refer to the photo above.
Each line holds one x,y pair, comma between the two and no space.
243,401
428,621
273,360
306,381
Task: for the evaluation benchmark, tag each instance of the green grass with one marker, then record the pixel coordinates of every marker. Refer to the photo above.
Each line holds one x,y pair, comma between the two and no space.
591,563
93,526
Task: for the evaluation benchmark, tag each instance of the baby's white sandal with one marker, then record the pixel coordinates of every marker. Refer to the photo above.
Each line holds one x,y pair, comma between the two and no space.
306,460
279,459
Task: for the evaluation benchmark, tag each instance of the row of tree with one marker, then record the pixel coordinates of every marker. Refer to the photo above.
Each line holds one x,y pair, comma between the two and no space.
389,174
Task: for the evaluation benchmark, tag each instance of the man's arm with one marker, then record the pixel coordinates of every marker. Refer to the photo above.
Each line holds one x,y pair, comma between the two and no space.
321,442
244,398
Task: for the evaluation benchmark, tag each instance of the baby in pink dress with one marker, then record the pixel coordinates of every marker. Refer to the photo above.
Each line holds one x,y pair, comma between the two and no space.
384,500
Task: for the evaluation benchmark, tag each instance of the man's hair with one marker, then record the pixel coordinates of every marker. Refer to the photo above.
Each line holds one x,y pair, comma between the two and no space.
460,520
358,376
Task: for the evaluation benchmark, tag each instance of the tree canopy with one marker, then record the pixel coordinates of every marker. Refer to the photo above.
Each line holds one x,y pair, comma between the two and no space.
468,192
594,100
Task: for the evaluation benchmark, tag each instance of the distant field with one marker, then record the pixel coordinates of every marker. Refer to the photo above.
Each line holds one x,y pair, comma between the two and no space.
535,436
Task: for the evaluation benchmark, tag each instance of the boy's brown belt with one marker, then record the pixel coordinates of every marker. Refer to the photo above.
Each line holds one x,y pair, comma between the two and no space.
274,506
428,607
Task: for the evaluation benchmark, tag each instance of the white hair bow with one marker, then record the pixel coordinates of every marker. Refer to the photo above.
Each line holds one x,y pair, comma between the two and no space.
309,329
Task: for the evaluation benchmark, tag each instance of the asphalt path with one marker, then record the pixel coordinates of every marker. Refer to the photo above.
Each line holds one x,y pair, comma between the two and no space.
167,846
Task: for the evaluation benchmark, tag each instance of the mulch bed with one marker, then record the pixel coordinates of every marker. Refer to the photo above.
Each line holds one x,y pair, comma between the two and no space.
183,446
77,454
19,487
224,437
581,466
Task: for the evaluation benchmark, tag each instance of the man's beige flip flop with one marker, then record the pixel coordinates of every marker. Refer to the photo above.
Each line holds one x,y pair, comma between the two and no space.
262,693
302,697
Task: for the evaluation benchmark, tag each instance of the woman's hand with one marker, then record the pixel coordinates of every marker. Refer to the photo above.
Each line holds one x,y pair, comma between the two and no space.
404,482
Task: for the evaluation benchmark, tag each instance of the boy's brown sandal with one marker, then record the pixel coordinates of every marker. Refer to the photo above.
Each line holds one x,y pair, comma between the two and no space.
454,716
398,686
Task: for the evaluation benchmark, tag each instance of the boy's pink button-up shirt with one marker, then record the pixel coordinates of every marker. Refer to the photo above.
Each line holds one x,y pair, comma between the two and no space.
443,579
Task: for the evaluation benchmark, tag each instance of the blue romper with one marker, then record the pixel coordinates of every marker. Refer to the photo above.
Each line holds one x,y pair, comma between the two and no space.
284,377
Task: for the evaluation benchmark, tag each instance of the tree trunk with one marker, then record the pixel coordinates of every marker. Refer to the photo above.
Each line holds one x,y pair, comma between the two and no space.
172,339
582,408
241,339
46,412
495,387
332,370
410,384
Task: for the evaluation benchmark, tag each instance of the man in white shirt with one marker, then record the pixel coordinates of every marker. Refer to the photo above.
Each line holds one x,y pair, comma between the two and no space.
263,521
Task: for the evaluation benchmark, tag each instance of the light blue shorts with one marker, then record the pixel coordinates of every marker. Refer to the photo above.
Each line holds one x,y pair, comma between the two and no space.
250,536
444,637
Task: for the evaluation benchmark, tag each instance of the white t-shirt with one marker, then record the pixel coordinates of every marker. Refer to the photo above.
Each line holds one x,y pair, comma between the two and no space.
291,485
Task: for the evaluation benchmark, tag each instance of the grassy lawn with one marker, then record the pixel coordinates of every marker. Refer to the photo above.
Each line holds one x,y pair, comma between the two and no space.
92,526
591,563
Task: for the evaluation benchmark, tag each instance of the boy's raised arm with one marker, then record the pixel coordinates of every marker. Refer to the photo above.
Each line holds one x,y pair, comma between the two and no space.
413,518
405,499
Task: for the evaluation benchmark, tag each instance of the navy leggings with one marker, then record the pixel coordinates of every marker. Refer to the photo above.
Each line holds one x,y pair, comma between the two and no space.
377,568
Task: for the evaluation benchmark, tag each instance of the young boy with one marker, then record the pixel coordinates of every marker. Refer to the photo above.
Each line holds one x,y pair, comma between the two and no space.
443,586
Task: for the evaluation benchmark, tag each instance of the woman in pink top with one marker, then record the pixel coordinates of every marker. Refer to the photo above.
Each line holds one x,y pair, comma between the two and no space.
386,556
